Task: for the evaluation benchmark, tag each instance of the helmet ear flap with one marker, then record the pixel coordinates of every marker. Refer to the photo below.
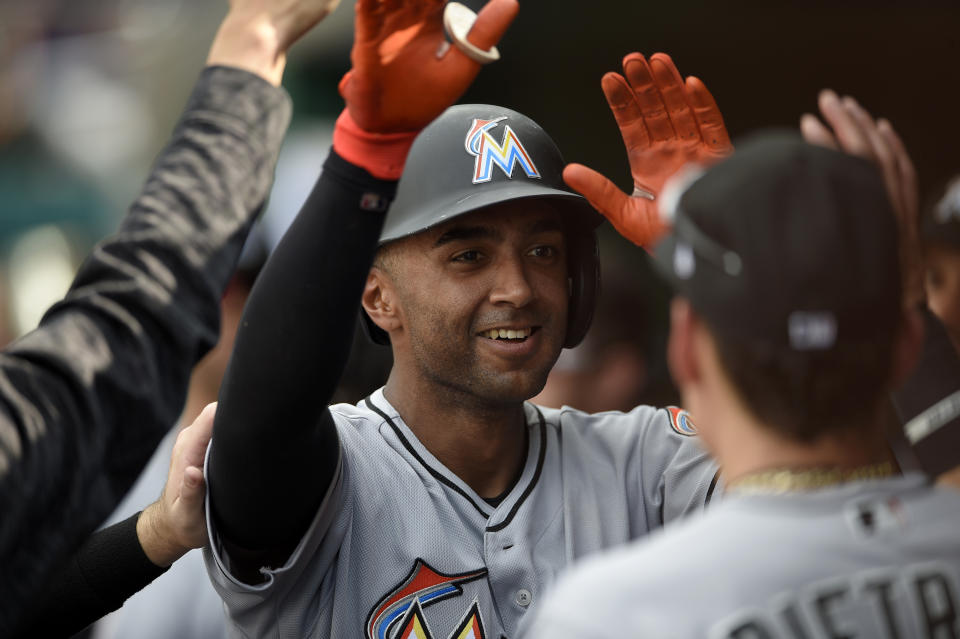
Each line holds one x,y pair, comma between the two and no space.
584,264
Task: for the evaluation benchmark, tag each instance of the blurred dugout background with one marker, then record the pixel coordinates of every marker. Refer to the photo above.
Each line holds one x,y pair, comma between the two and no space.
90,89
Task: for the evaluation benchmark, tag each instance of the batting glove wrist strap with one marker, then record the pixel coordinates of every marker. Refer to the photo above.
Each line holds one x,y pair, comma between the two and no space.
381,154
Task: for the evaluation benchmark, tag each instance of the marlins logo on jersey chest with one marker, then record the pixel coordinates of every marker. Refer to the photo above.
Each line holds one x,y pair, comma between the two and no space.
400,613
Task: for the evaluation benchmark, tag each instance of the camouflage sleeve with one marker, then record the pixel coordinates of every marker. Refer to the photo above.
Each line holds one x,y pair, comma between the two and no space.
86,397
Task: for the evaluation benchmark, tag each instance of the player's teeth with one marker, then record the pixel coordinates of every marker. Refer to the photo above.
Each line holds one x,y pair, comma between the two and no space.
507,333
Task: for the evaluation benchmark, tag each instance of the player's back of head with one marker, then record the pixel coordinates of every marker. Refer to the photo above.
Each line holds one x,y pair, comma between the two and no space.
789,253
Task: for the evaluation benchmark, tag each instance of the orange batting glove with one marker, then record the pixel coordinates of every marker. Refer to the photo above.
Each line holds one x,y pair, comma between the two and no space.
404,75
665,123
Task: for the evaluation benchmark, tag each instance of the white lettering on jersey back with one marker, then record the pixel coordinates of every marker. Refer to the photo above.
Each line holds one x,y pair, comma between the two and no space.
921,600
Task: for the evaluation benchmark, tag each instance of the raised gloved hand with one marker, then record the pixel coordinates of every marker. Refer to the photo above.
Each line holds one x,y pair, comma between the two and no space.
404,75
665,122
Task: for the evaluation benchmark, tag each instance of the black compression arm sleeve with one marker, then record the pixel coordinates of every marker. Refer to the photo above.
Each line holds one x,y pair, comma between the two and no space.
275,447
109,568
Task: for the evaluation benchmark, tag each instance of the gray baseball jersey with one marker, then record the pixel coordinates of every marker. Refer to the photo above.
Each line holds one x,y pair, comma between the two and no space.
402,548
871,559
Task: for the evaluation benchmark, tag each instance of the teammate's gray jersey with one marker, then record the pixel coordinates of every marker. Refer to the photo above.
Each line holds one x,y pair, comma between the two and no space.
401,547
869,559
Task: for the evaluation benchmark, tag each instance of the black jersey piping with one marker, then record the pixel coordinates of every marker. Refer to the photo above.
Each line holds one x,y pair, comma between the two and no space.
436,473
713,487
533,481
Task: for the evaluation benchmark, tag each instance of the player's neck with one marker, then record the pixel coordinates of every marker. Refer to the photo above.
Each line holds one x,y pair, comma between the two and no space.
485,445
746,447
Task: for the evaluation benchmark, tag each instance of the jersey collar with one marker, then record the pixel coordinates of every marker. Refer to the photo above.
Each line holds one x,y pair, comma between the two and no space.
498,517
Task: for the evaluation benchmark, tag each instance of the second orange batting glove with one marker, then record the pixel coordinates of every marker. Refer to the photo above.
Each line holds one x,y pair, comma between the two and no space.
665,123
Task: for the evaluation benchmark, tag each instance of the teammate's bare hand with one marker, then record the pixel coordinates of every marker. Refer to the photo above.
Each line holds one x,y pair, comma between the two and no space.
404,74
176,522
665,122
256,34
855,131
950,479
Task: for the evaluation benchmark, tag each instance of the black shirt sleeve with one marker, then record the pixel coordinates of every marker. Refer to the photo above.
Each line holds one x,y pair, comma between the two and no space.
109,568
275,447
86,397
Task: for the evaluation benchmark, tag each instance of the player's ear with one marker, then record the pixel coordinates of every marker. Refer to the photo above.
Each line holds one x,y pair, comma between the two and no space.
907,347
379,300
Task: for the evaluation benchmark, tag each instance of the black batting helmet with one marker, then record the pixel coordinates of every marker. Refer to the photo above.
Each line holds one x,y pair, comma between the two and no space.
478,155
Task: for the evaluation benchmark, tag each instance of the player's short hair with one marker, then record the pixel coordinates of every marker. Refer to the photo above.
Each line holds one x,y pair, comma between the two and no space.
805,395
385,258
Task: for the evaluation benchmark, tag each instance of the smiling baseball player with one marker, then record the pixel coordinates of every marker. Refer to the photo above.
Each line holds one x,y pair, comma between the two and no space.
443,504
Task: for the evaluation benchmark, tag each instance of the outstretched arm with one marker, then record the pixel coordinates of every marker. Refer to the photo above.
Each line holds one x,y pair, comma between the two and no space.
116,562
86,397
666,122
292,343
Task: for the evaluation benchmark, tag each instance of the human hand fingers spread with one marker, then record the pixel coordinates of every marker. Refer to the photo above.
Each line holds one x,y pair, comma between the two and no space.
600,192
883,153
401,14
626,111
908,210
403,76
814,132
368,20
492,23
640,76
486,31
670,84
907,174
712,129
851,138
635,218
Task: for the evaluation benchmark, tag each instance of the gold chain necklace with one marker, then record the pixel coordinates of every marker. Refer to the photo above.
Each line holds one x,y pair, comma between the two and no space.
785,480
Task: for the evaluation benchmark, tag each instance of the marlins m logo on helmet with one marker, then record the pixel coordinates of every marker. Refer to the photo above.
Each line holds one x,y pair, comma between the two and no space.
481,144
